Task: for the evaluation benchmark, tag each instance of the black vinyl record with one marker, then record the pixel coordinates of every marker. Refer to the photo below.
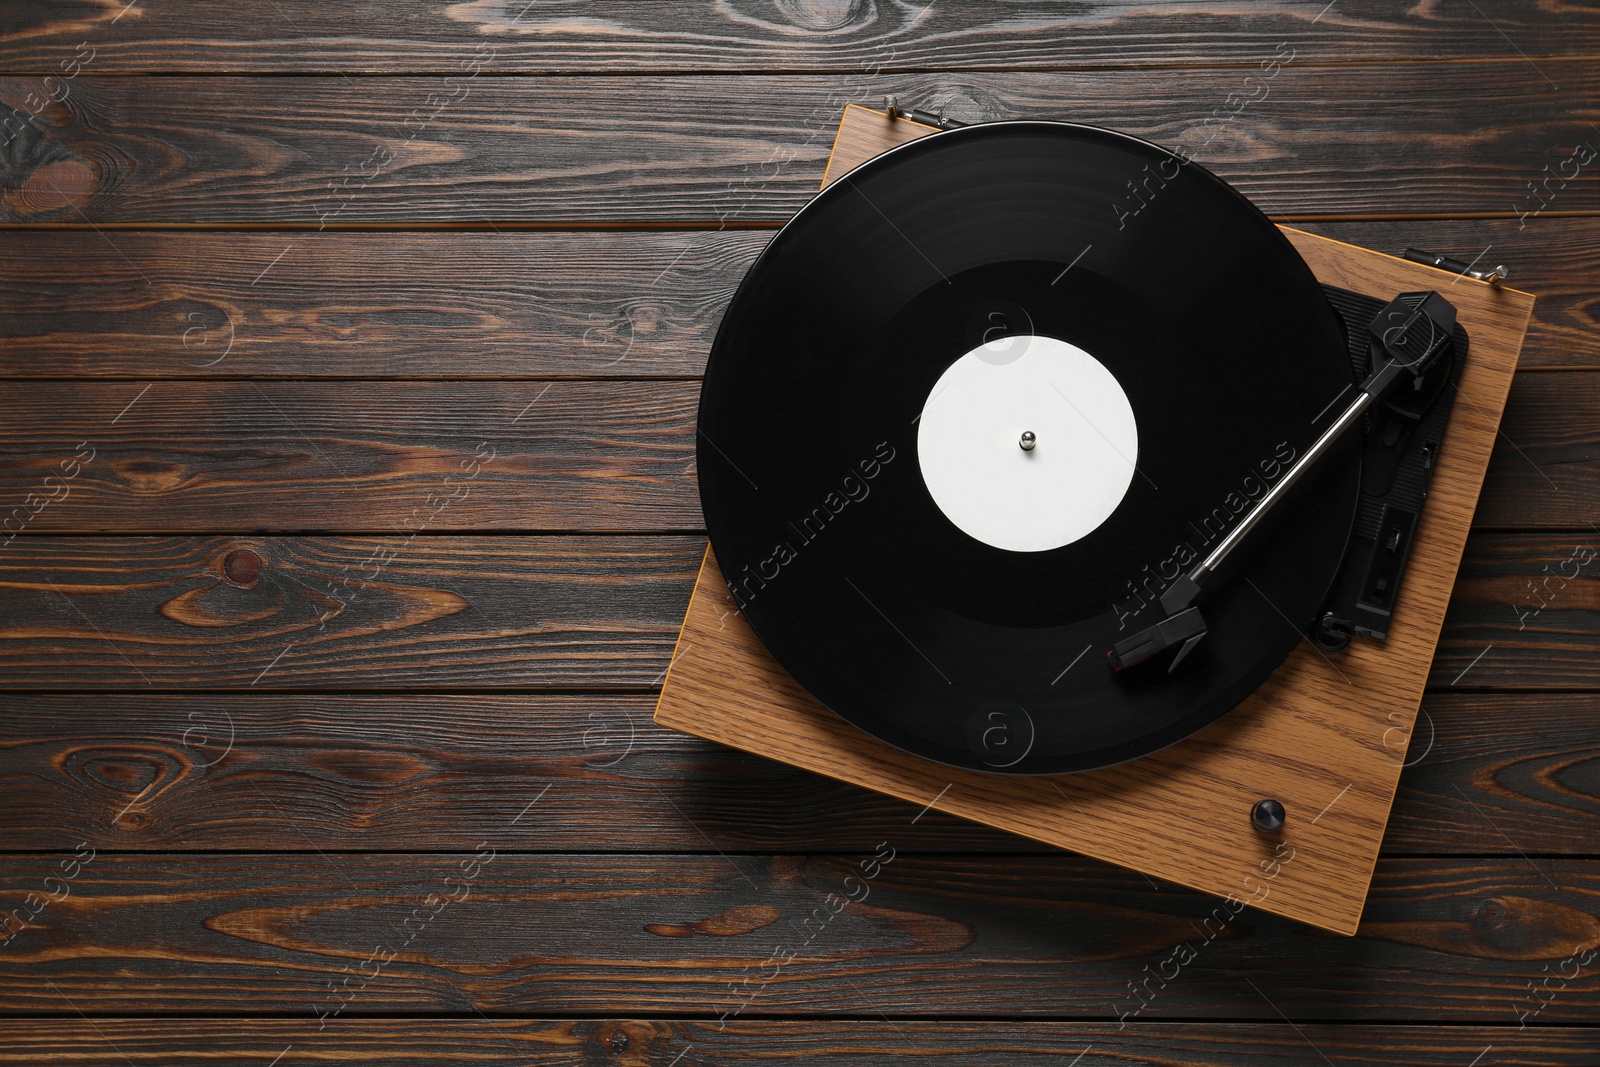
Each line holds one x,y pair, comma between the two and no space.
814,472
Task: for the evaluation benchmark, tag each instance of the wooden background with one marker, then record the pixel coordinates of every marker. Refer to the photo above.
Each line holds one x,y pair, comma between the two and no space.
350,356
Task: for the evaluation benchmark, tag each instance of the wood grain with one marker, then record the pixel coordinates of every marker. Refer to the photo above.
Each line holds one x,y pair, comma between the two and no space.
364,456
1548,457
1011,937
811,35
641,304
1524,612
331,150
369,305
446,612
638,1042
345,612
1490,774
1457,121
1521,770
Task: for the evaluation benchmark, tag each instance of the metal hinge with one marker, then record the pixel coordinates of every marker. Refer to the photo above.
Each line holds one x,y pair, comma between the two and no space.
1494,275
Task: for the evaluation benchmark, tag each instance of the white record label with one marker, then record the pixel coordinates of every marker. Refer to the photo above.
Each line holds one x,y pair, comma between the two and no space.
1084,447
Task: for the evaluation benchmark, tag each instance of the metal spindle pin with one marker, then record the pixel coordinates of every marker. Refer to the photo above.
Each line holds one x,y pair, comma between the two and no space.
1028,440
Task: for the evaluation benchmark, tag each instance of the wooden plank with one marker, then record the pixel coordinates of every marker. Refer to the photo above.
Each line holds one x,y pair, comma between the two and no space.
368,305
832,1043
330,150
345,612
1455,940
1490,774
211,457
368,456
1524,607
127,613
1547,461
1520,769
485,305
302,35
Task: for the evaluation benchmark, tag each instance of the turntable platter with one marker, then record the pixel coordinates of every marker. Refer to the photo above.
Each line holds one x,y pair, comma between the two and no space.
978,404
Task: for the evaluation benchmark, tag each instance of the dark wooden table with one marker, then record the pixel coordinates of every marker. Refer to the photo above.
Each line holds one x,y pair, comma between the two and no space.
351,354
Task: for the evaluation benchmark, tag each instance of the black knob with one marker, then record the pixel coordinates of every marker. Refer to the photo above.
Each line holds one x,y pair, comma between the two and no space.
1331,633
1267,816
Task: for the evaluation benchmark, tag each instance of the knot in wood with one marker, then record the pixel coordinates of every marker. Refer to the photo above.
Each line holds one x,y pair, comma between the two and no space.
241,566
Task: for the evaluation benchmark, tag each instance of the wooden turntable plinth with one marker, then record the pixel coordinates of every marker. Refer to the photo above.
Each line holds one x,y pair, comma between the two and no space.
1326,736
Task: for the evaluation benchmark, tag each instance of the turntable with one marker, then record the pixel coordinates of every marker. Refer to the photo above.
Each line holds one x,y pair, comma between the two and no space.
1049,484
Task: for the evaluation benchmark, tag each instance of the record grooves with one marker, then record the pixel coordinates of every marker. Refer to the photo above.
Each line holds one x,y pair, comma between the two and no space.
947,587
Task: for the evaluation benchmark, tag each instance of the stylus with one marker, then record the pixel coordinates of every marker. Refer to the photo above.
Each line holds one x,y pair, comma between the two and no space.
1407,336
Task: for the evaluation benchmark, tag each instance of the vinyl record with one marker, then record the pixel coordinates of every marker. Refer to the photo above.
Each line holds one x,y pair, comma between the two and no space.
944,582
